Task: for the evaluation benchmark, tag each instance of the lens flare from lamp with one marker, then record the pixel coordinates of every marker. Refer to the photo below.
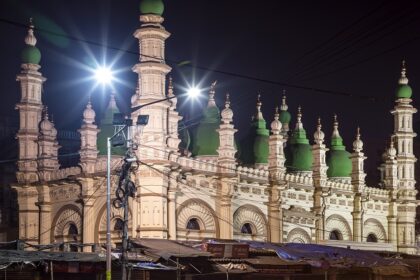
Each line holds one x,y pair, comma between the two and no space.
193,92
103,75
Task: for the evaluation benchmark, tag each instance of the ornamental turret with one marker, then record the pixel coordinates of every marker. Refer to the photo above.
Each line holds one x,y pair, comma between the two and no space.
30,109
227,150
47,148
358,182
298,151
173,120
338,159
88,140
205,140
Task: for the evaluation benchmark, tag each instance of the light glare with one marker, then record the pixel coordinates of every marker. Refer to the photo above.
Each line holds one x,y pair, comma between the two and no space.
103,75
193,92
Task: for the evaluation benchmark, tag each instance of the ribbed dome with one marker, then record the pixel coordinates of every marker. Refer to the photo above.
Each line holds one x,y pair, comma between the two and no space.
206,140
403,90
152,7
338,159
298,151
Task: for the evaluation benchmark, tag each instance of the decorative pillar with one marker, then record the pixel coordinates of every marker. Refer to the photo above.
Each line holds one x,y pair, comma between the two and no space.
276,173
173,119
44,204
88,230
319,177
172,191
30,110
358,182
224,208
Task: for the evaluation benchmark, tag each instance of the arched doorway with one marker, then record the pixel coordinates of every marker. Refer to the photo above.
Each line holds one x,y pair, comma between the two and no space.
371,238
336,235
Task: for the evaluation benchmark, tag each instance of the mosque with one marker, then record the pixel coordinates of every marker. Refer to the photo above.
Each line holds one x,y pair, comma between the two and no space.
279,185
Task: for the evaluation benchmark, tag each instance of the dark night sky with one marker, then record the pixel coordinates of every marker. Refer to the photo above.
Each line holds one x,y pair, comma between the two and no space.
262,39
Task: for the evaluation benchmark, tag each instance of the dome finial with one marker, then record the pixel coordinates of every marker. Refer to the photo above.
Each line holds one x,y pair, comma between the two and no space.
30,38
336,133
227,113
89,114
403,80
299,124
259,115
391,151
227,101
319,134
212,92
358,143
45,112
276,124
284,106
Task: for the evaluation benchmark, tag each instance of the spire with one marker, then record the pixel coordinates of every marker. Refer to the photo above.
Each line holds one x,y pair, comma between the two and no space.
403,79
299,134
170,87
284,106
30,38
112,103
276,124
358,144
299,124
336,140
227,113
391,152
212,102
319,134
258,115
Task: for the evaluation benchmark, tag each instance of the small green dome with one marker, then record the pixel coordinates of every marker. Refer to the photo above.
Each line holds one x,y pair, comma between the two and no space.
298,152
404,91
152,7
206,140
285,117
31,54
338,159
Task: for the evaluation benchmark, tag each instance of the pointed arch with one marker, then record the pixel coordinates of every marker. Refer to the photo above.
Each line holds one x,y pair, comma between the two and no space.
338,223
298,235
199,211
373,226
249,214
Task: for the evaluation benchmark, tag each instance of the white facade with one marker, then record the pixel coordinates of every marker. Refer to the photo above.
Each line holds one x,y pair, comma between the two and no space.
190,198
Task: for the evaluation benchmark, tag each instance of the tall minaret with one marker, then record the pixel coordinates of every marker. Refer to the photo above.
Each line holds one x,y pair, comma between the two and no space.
152,71
403,137
276,171
30,109
173,119
150,208
88,137
358,182
403,132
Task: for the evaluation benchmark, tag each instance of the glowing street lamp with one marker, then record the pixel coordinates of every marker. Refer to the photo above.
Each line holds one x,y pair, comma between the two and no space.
193,92
104,75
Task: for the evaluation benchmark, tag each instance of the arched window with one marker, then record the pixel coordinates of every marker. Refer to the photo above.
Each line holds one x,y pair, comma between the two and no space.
336,235
246,228
119,225
193,224
72,233
371,238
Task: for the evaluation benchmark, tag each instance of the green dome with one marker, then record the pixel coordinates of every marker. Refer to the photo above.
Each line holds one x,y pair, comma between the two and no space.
107,129
338,159
31,54
285,117
298,152
206,140
152,7
260,147
404,91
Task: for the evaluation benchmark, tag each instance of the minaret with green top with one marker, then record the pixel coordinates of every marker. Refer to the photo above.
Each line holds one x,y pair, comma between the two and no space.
284,116
30,109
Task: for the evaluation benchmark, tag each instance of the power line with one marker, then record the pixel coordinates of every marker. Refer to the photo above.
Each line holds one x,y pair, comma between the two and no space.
198,67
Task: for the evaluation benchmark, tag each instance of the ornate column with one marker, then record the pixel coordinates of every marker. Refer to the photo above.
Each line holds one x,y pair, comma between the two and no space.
319,177
358,182
88,231
224,207
276,171
173,187
391,183
28,214
44,204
